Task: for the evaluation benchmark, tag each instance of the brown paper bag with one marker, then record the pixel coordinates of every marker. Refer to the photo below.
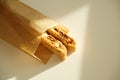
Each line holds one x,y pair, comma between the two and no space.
22,26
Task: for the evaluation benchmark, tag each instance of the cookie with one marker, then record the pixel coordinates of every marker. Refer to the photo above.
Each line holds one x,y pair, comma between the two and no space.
54,45
63,37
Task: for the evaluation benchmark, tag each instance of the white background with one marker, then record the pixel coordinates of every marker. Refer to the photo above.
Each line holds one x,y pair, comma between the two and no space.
95,25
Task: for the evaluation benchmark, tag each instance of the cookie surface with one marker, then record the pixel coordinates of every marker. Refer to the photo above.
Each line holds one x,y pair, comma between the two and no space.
63,37
54,45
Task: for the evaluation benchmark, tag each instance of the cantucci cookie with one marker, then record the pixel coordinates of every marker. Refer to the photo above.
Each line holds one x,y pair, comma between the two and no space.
63,37
62,28
54,45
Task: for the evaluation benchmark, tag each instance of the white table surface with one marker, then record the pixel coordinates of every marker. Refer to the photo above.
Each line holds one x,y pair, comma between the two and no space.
95,24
